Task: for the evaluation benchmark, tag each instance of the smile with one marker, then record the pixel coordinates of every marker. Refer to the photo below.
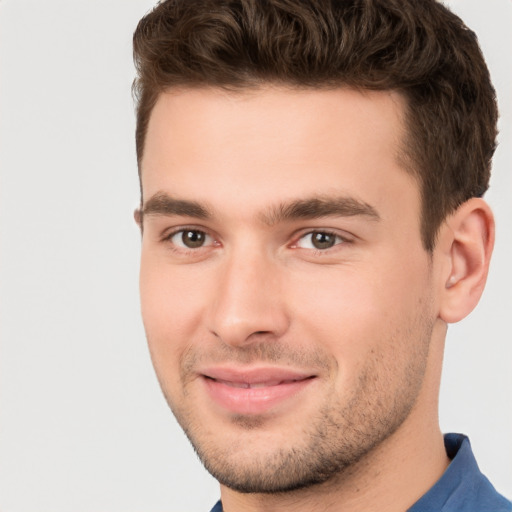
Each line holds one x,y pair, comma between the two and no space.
256,391
255,385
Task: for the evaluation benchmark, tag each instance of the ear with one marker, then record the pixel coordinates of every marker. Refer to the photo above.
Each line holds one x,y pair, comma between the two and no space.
137,215
467,240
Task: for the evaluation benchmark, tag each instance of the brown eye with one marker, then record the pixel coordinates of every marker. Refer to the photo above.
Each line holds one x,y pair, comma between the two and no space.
319,240
193,239
190,239
322,240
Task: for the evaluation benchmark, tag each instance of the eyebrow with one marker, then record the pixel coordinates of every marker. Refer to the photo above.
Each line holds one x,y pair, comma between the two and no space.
317,207
309,208
163,204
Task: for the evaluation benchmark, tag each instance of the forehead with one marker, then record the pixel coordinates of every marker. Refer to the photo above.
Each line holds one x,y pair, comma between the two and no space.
273,142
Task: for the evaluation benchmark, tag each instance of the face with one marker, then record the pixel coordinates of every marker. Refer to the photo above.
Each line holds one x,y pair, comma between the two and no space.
286,296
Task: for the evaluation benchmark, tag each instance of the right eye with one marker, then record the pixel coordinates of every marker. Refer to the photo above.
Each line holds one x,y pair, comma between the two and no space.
190,239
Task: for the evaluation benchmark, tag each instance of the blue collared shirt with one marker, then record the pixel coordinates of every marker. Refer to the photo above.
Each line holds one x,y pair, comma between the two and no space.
462,488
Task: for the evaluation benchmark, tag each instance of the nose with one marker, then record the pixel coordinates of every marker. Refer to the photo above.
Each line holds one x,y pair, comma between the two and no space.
248,303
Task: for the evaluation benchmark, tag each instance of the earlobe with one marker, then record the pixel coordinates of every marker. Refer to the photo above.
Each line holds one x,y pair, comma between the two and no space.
468,236
137,215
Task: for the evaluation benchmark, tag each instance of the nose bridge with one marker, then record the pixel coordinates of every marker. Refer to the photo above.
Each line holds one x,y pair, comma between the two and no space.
248,297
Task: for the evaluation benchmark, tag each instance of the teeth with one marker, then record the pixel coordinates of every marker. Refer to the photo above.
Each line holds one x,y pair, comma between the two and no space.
238,384
265,384
246,385
243,385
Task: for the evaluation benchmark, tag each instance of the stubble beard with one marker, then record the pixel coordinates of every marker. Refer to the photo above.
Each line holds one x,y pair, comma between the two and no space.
338,437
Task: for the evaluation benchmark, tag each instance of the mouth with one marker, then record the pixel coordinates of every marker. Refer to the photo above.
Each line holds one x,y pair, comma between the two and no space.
256,385
254,391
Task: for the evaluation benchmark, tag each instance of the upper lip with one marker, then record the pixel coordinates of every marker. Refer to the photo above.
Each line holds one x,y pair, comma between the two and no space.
255,376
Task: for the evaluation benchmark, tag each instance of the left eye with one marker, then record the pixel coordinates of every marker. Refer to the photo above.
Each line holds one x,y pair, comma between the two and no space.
319,240
190,239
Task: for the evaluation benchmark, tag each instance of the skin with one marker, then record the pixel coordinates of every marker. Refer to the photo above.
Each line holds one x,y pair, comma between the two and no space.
362,314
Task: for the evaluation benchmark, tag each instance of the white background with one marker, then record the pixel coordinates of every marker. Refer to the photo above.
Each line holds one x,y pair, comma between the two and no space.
83,426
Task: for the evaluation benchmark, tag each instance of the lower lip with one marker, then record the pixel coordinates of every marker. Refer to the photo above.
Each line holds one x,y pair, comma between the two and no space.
253,400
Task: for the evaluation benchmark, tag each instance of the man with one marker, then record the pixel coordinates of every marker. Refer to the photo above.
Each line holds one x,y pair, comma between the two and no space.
312,176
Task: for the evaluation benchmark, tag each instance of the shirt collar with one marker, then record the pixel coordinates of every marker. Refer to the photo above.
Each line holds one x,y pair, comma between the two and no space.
462,487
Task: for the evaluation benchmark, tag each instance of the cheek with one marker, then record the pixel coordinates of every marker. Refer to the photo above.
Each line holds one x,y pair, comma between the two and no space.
358,313
170,294
171,306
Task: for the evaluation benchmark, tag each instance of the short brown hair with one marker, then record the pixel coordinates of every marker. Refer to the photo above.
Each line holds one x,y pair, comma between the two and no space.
416,47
